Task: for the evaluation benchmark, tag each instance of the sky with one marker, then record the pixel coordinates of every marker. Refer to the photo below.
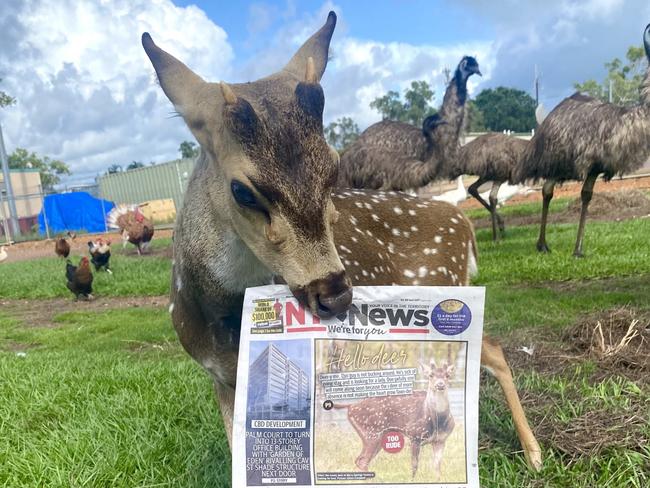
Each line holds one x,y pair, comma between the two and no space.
87,94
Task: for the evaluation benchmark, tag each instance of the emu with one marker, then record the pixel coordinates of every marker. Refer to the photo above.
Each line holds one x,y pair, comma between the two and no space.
492,157
582,138
393,155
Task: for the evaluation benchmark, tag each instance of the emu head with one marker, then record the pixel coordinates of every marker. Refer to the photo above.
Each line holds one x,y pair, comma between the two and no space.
275,169
467,67
646,41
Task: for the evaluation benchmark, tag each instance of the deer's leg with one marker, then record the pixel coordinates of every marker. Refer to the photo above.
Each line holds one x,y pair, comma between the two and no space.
547,194
497,222
415,456
371,446
585,194
494,361
226,398
438,449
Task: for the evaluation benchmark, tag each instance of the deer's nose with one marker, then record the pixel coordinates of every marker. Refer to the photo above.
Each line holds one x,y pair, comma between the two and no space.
328,306
326,297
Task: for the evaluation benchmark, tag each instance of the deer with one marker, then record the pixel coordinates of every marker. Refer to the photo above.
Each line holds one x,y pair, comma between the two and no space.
260,208
423,416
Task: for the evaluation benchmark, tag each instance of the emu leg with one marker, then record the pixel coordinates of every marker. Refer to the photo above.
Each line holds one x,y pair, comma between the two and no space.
473,190
494,361
415,456
585,194
547,193
226,397
496,219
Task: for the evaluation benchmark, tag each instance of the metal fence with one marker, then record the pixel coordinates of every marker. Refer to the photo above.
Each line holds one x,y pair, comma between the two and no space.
167,180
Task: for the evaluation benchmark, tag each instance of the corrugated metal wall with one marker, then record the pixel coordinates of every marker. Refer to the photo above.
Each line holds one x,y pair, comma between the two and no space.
166,180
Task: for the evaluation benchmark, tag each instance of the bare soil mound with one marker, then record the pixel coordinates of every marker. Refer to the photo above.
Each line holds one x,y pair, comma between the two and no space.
613,203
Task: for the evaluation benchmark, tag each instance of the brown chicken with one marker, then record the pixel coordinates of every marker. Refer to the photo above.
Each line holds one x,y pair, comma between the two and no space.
80,279
62,246
133,225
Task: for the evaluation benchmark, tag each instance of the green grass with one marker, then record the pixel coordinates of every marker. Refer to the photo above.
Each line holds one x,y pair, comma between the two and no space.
110,399
45,278
521,210
106,399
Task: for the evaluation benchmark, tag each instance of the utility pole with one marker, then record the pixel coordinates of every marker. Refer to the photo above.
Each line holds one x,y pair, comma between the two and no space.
536,87
13,214
611,91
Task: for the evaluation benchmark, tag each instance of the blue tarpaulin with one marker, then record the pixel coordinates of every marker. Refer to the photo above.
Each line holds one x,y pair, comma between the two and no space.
74,211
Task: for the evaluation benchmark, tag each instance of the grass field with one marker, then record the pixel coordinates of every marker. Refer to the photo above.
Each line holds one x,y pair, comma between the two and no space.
106,397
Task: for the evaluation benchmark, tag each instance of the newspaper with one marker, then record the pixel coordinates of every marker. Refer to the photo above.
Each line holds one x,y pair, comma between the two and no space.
383,395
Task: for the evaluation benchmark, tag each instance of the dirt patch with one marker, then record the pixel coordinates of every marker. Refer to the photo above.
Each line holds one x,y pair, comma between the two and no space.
41,313
609,206
618,340
24,251
615,343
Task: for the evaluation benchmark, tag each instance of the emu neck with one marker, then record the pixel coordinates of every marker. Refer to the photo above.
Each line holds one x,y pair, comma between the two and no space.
446,137
645,87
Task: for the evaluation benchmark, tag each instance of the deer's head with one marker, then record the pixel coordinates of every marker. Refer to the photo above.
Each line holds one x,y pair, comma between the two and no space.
439,375
276,171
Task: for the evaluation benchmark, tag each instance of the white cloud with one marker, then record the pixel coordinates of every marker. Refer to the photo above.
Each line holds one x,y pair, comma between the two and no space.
86,90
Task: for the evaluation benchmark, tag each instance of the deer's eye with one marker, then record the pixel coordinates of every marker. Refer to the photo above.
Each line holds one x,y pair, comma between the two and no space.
243,195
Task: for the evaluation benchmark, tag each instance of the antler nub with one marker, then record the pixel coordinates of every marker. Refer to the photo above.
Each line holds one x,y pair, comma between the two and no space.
228,95
310,72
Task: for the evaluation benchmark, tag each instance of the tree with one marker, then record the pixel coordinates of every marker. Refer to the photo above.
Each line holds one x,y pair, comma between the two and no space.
114,168
50,169
188,149
134,165
475,119
415,107
624,78
506,109
5,99
341,133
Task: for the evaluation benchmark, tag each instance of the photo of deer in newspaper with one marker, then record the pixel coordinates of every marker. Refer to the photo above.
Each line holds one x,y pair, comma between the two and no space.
379,406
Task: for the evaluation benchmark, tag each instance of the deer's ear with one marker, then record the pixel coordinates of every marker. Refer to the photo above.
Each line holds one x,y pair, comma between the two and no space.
179,83
424,369
450,370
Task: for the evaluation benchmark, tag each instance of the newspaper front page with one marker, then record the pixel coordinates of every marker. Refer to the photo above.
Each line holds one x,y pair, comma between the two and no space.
385,394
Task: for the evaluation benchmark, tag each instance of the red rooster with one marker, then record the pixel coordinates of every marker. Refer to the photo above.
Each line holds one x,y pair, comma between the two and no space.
133,225
80,279
100,254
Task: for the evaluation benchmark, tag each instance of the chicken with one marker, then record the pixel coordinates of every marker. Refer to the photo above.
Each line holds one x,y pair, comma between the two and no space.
62,246
3,254
133,225
100,254
80,279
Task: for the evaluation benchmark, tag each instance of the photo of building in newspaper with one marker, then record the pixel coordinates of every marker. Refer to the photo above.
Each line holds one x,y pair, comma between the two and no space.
278,427
386,412
279,388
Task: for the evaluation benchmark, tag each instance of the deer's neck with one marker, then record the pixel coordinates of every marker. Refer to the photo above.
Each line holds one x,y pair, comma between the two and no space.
215,255
436,402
